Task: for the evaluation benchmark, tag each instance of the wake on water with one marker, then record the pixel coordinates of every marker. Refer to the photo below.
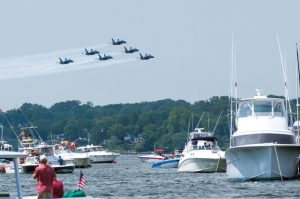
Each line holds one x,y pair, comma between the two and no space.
47,63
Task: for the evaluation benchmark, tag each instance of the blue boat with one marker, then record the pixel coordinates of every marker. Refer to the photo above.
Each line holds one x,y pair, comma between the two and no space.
168,163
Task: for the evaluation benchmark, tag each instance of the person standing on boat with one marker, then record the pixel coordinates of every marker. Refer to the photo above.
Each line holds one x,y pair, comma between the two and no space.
44,174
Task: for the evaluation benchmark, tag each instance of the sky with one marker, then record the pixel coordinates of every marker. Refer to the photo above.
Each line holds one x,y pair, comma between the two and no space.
191,41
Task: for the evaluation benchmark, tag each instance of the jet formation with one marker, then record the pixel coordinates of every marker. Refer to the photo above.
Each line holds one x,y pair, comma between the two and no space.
129,50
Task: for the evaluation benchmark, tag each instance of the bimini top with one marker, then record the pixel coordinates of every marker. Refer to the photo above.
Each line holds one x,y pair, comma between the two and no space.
159,150
208,138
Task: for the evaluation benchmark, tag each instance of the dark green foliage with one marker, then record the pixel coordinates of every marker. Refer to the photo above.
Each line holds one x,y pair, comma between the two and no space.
161,124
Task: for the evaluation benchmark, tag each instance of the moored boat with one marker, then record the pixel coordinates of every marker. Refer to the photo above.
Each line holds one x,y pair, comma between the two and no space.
263,147
155,156
97,154
202,154
81,160
32,161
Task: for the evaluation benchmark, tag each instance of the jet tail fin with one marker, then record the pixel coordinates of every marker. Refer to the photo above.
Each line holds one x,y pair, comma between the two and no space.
86,50
141,56
125,49
113,41
99,56
60,60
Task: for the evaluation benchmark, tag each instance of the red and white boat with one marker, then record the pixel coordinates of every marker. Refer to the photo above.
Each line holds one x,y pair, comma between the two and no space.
154,157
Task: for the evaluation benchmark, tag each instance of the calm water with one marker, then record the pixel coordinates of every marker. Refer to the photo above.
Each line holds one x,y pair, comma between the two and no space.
131,178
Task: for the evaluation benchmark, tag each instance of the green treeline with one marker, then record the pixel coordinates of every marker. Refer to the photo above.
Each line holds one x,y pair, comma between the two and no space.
139,126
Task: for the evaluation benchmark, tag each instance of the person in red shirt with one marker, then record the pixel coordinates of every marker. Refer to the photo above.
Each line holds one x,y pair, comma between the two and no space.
58,188
44,174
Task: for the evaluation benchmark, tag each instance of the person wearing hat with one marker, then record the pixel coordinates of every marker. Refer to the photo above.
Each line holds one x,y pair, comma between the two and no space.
44,174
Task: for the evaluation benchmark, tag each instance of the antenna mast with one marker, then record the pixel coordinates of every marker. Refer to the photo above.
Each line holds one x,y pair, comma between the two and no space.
285,81
297,100
217,122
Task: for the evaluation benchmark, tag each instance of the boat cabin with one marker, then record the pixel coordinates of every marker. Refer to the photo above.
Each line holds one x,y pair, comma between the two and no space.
89,148
261,112
200,140
262,120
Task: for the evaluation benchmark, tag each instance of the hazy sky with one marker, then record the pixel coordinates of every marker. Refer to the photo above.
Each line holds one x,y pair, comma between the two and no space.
190,39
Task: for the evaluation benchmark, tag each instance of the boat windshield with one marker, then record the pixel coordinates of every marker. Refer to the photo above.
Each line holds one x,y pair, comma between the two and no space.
97,149
48,151
82,150
245,109
261,108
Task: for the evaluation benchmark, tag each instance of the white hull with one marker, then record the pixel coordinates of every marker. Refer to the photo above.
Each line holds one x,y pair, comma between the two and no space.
262,161
109,158
151,158
80,160
215,163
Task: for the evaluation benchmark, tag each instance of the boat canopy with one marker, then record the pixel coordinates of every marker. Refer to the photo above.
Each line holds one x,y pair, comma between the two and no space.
159,150
211,138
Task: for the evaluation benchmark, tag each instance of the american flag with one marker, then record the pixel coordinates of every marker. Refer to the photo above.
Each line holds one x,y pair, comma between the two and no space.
82,181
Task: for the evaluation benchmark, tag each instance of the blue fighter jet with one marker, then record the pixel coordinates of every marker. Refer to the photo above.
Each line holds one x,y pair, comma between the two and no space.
118,42
105,57
66,61
146,57
131,50
92,52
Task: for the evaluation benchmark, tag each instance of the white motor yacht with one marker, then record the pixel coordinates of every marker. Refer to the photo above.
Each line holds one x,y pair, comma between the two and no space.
263,147
97,154
202,154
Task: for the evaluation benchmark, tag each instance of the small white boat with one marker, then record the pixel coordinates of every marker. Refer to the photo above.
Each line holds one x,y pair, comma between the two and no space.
97,154
31,162
202,154
170,162
154,157
81,160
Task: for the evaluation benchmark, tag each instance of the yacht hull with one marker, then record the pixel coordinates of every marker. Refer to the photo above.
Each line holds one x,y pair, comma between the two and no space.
103,158
64,168
202,165
81,162
262,162
29,168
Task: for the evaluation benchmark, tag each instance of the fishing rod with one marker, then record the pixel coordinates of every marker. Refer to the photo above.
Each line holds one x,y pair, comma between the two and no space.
217,122
12,128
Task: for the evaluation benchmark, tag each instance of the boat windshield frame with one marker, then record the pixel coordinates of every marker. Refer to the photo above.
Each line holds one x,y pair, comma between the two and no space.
270,107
